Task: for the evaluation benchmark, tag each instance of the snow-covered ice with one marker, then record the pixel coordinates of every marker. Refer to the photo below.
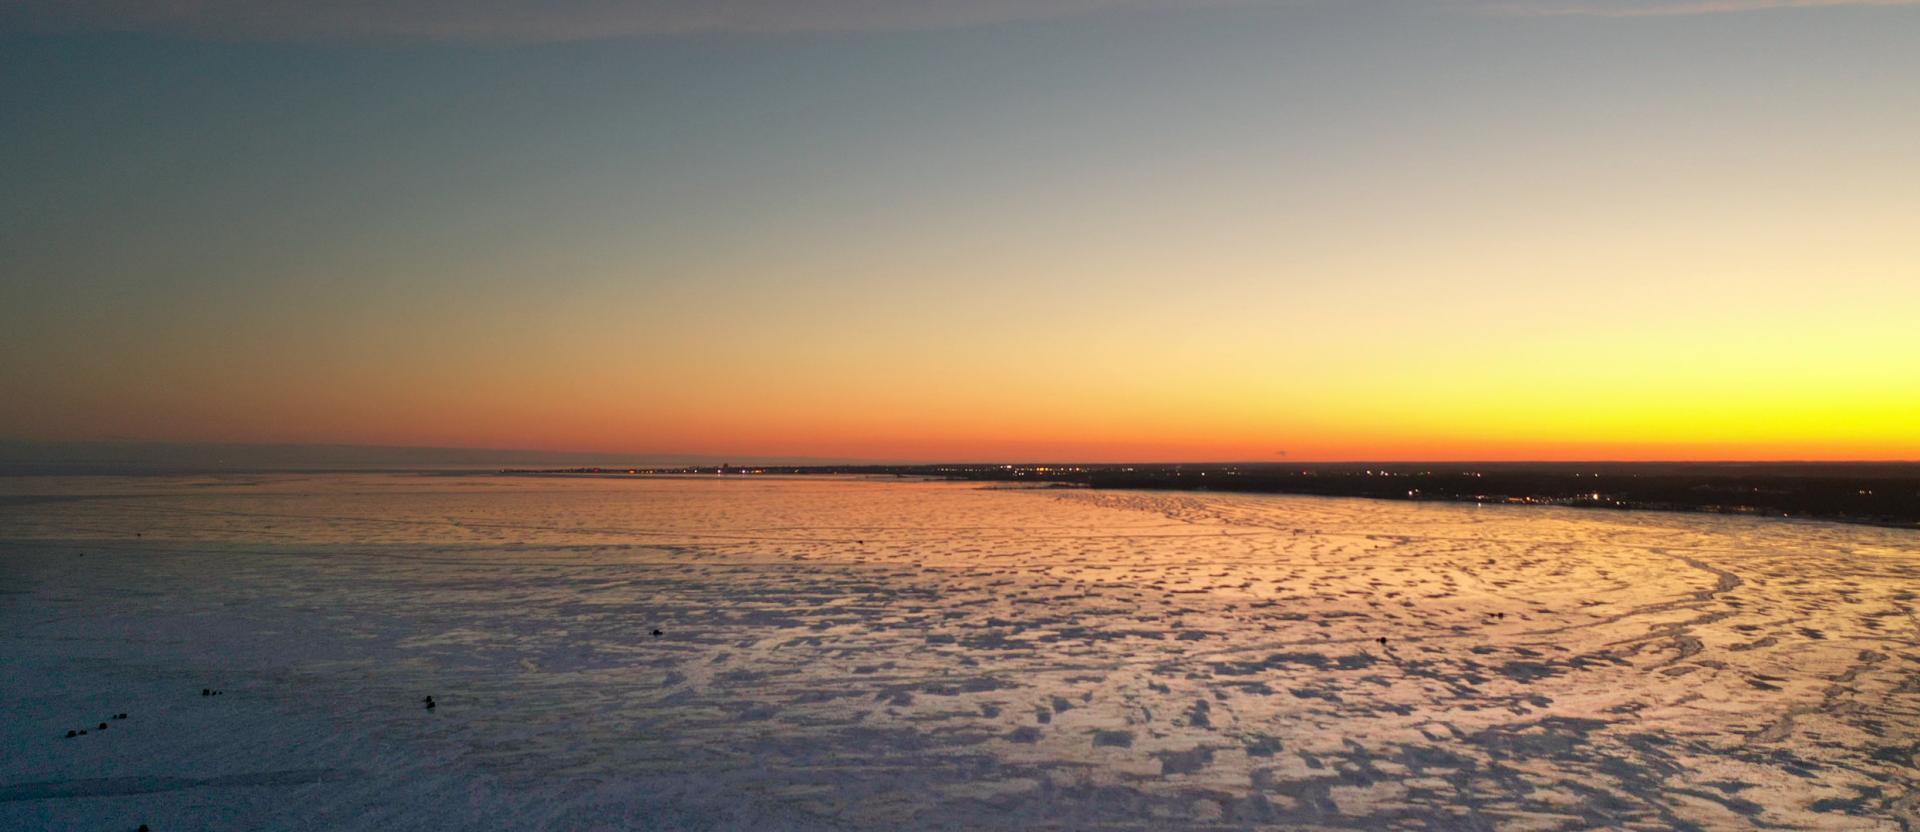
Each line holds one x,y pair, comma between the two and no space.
848,653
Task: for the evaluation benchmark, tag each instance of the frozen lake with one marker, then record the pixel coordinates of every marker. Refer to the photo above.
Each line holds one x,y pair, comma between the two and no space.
866,654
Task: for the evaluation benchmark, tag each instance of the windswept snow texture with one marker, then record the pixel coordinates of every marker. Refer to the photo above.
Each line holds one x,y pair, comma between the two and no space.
839,653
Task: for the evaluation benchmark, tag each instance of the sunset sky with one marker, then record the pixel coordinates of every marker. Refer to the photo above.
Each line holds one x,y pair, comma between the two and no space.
977,229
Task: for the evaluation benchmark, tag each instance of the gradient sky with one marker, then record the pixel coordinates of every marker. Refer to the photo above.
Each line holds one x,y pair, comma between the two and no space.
979,229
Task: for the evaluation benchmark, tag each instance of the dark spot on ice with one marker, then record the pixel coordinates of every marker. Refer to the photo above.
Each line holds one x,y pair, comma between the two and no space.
1849,805
1355,661
1197,715
1262,746
1549,737
1729,786
1528,671
979,684
1273,661
1422,757
1896,754
1024,734
1184,762
1113,739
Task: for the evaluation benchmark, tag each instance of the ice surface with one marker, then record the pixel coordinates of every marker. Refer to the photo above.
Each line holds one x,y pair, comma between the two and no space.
843,653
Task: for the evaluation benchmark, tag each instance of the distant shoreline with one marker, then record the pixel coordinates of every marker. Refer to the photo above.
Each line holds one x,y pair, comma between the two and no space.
1884,494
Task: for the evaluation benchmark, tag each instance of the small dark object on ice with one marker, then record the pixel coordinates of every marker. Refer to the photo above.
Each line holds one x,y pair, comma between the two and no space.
429,703
1382,640
72,734
119,716
657,634
103,726
206,691
143,828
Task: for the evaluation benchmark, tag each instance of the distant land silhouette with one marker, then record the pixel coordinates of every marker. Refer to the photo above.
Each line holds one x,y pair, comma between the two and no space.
1877,493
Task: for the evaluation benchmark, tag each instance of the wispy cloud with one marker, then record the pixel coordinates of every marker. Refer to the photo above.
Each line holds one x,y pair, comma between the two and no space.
541,20
1671,8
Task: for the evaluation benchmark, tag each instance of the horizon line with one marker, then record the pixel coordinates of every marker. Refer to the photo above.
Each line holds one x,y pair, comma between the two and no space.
694,459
